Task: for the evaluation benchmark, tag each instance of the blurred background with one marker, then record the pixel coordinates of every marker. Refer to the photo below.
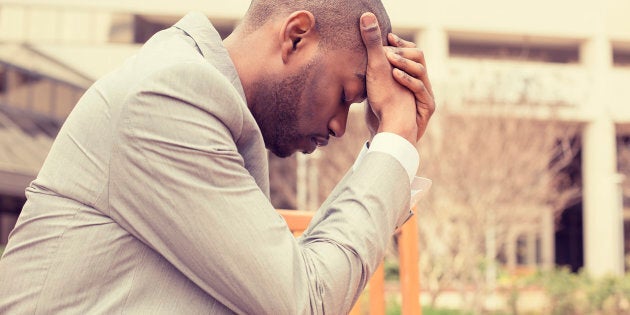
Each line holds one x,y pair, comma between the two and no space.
529,151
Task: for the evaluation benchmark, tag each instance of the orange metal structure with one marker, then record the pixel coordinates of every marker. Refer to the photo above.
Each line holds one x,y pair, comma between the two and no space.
408,256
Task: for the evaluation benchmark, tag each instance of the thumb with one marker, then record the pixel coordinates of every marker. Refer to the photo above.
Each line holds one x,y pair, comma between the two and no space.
371,34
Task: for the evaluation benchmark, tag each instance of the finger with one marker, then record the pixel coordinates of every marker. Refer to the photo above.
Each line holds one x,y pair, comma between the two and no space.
411,68
396,41
416,86
371,35
414,54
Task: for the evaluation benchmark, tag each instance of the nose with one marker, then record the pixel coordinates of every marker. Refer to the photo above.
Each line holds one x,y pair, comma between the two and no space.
337,125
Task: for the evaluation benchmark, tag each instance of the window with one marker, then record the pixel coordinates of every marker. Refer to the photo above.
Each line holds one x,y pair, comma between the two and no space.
621,58
513,50
146,26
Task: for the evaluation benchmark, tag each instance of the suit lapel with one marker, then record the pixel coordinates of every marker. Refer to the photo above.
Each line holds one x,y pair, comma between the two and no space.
209,43
250,144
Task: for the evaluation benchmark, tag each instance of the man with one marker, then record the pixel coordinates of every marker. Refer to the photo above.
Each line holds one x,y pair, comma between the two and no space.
154,197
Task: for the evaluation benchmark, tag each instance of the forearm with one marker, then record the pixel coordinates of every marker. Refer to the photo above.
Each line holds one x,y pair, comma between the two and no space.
348,235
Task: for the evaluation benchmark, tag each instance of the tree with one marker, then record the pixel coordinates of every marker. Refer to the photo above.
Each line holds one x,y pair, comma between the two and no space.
623,154
495,175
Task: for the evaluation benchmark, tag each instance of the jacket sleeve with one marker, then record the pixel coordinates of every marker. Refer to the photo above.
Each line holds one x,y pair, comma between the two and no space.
178,183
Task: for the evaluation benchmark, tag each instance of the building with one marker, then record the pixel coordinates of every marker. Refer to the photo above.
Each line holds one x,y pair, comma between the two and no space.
571,57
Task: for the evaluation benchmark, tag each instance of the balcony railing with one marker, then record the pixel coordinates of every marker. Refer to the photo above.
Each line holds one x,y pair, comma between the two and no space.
496,82
35,93
408,252
26,23
620,92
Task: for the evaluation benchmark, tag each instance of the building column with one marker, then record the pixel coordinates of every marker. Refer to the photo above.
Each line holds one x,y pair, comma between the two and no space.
602,211
531,256
510,250
433,41
547,240
302,181
313,180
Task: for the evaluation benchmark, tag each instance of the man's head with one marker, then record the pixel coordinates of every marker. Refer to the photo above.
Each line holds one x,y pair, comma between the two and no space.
336,21
304,66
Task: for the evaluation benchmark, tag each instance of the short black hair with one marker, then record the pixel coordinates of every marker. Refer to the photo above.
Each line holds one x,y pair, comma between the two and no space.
336,21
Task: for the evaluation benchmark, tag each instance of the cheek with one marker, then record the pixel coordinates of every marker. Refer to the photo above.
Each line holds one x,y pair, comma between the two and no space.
321,105
326,93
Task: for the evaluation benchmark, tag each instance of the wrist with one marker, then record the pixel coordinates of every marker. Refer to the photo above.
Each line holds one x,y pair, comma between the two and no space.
401,127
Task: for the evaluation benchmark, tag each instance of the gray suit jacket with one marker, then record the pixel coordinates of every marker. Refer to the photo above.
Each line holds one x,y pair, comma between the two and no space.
154,200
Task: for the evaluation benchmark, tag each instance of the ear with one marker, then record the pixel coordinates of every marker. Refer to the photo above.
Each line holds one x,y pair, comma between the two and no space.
297,32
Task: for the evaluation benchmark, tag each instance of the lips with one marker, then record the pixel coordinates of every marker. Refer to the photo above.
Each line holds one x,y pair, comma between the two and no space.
315,143
321,141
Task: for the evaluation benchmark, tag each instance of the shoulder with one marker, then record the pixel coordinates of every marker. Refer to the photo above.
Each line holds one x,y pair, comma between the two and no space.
195,83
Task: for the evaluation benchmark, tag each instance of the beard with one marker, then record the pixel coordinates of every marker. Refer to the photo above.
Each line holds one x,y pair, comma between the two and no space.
275,109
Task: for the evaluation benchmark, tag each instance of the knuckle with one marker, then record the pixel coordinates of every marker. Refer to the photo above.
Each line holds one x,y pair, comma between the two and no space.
399,41
419,86
420,53
407,77
432,106
422,70
373,39
375,65
400,59
369,79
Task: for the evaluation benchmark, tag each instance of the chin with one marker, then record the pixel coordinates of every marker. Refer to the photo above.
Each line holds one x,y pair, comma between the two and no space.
282,153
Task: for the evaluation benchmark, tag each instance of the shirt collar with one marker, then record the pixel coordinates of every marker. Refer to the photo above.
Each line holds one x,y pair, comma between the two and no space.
209,43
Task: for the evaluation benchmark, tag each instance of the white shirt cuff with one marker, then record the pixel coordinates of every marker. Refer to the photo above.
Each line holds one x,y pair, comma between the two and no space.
396,146
419,186
408,156
399,148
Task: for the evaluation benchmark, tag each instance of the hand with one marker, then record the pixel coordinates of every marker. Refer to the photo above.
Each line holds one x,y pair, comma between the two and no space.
392,104
411,72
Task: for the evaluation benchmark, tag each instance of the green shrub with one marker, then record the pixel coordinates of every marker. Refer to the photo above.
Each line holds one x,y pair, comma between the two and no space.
571,293
440,311
392,270
393,307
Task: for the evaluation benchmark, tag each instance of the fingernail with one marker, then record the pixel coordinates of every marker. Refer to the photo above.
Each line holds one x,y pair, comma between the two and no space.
368,21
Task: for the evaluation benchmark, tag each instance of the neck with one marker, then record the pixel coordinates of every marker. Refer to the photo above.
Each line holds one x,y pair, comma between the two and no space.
247,61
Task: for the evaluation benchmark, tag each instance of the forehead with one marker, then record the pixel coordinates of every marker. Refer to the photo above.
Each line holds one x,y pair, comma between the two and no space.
348,62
